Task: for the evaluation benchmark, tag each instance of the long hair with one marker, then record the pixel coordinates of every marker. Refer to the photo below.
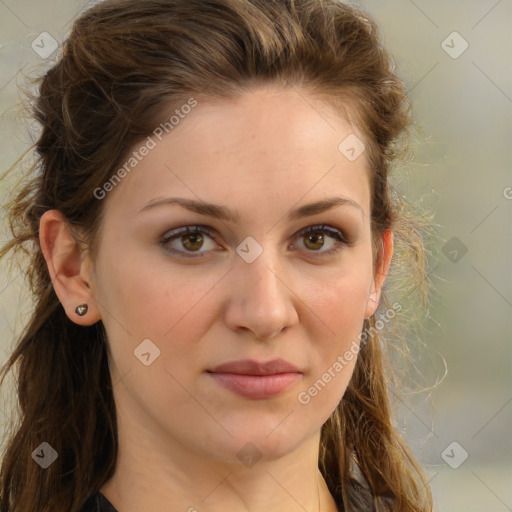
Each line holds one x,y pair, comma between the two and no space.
125,65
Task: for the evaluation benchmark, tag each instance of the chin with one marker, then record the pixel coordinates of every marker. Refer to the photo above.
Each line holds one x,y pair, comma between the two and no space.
253,440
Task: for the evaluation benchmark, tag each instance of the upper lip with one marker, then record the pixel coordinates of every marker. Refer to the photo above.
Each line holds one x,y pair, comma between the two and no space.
253,367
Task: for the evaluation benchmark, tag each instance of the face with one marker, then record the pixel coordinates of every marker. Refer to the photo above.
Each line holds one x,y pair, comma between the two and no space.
183,290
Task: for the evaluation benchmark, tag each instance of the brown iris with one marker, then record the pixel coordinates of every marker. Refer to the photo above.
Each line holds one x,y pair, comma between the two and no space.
196,241
315,238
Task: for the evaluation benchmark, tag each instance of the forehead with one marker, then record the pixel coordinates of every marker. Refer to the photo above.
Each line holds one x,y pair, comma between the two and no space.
268,146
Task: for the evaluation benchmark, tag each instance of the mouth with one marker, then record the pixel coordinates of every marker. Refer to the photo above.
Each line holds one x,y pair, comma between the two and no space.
256,379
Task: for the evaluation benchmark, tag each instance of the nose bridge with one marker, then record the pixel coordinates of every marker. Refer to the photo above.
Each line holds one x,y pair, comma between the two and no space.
261,301
262,280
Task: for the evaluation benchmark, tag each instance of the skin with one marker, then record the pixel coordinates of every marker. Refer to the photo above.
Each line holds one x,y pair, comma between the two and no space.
263,154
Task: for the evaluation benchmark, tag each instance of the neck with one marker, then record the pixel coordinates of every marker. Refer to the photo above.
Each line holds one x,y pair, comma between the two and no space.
172,477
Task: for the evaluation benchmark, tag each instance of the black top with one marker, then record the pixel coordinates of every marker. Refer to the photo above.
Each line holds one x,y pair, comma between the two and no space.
98,503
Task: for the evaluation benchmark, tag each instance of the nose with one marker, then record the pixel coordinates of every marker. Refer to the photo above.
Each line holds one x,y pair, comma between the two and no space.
261,300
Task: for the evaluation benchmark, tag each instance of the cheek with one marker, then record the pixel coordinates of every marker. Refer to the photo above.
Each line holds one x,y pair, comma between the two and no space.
341,307
169,306
153,299
341,303
141,301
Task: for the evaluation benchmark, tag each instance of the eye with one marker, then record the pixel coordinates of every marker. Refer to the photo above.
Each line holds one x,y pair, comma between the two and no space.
193,238
190,237
315,239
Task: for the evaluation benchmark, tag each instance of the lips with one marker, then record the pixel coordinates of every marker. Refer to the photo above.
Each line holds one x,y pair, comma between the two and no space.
256,379
252,367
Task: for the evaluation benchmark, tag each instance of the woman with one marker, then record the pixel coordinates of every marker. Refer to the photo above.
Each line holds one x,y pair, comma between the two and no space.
212,226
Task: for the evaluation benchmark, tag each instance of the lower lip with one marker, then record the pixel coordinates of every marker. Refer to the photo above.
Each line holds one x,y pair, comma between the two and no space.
256,386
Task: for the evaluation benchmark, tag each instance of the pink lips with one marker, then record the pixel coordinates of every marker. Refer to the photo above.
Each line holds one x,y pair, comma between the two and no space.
256,379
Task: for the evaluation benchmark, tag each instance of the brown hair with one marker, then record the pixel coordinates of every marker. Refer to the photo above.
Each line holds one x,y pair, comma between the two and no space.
125,65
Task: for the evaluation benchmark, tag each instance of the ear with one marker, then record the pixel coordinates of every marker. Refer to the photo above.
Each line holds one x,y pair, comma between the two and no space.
69,268
380,272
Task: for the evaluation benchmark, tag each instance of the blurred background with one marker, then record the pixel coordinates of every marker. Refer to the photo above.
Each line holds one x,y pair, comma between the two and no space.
455,58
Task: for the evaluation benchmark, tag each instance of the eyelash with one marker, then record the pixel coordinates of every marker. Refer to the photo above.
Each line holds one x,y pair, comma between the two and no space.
312,230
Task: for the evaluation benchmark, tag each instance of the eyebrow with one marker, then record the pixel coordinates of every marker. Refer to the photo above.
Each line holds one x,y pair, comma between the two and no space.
225,214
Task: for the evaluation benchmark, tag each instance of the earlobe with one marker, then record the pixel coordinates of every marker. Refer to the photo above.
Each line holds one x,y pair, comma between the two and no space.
68,268
380,272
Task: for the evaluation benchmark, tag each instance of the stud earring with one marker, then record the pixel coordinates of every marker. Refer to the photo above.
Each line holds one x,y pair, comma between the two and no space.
82,309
